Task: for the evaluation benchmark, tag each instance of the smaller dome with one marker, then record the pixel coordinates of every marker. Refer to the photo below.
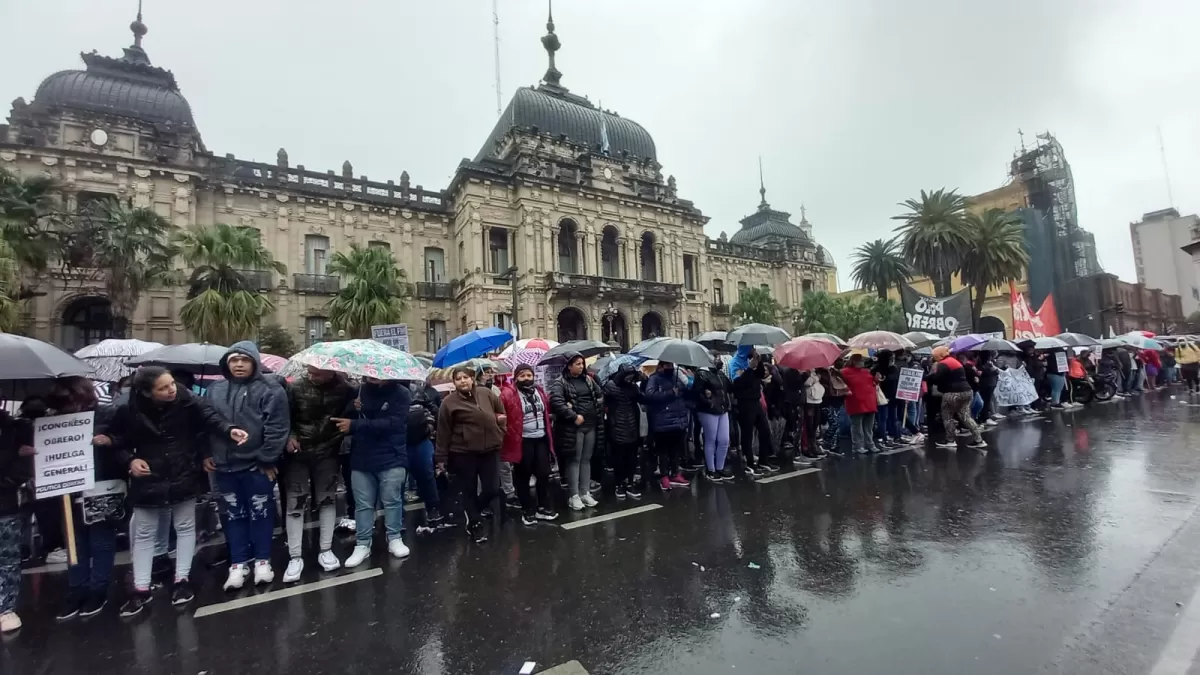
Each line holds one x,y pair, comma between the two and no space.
101,93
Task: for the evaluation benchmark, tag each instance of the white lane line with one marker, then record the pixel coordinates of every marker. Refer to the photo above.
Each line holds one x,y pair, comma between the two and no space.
568,668
1176,657
209,610
790,474
611,516
893,451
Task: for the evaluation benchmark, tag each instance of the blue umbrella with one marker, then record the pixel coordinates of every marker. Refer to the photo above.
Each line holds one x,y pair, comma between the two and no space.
615,362
471,345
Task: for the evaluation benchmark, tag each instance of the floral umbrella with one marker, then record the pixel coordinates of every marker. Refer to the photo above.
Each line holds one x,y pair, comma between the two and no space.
365,358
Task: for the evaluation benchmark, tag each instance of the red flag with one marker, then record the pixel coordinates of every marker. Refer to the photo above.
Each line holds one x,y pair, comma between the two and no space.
1027,324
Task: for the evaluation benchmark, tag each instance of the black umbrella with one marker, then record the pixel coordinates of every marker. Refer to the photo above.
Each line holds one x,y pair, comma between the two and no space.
995,345
1078,339
683,352
28,366
193,357
715,340
758,334
585,348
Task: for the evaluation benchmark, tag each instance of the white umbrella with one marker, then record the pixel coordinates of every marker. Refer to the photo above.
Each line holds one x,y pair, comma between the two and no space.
108,357
1048,343
1140,341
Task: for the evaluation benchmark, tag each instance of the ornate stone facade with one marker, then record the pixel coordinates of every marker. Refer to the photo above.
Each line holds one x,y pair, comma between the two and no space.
564,209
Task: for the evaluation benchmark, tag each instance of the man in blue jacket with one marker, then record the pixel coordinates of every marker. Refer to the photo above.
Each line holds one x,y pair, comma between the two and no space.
669,421
245,474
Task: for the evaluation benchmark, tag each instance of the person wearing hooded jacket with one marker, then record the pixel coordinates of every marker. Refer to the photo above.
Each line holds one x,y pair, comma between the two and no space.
622,398
245,474
422,420
670,417
577,405
748,375
16,469
528,442
712,408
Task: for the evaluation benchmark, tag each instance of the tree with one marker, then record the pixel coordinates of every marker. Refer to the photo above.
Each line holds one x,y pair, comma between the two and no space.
374,290
275,339
223,305
756,306
879,265
847,316
29,222
10,286
933,235
995,254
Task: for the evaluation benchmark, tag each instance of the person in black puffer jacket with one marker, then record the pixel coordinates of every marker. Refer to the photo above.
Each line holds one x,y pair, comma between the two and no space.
576,403
713,402
16,468
622,397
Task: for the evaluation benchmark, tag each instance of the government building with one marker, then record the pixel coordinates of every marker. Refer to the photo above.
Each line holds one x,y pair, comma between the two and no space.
562,221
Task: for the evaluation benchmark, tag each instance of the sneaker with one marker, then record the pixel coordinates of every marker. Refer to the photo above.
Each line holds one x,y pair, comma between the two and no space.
9,622
136,603
991,423
70,608
328,561
713,476
664,483
182,593
997,416
94,604
263,574
477,533
900,441
57,557
946,445
397,548
237,577
294,569
802,461
347,524
544,513
357,556
486,512
634,490
593,486
575,503
589,501
620,491
752,471
512,502
679,481
979,445
528,519
770,466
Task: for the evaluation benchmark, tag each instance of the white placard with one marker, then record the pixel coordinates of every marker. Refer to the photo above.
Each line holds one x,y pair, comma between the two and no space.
64,461
909,387
392,335
1060,360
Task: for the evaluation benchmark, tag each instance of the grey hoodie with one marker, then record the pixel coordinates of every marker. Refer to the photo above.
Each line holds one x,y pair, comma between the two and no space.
255,404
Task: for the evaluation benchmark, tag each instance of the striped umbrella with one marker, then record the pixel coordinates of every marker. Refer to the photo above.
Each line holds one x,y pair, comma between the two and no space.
108,357
529,343
528,355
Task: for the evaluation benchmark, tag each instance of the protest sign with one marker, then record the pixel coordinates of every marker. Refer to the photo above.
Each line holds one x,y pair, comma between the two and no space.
392,335
946,316
1015,388
63,462
1060,360
909,388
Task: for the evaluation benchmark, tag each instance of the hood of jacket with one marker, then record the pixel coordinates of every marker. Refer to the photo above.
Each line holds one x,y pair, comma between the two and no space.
244,348
254,404
739,362
567,366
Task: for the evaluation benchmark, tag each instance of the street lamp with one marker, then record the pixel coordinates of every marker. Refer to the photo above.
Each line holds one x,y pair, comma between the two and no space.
610,315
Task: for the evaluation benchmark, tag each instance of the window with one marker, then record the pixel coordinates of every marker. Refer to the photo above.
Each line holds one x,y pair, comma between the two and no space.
497,250
741,289
693,329
502,320
718,292
649,258
435,335
806,285
689,272
315,329
568,248
380,244
316,253
435,264
610,254
766,287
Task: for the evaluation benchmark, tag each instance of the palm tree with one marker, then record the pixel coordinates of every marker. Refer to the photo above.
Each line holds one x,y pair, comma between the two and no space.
373,293
28,220
10,286
995,253
933,236
879,265
223,306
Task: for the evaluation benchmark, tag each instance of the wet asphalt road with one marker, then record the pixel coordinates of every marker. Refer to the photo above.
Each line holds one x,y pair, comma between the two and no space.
1063,550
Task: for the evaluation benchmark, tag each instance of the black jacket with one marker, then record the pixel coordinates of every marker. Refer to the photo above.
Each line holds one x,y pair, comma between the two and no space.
565,404
891,377
15,470
712,380
948,380
172,439
747,388
422,413
624,412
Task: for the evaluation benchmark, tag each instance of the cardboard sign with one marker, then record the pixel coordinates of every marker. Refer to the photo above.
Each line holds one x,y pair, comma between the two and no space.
909,388
392,335
1014,387
65,462
1060,360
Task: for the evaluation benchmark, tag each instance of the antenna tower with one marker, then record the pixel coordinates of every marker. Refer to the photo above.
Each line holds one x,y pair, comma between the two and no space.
496,41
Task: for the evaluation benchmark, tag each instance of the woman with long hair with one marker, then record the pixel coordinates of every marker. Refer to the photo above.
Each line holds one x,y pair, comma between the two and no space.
470,433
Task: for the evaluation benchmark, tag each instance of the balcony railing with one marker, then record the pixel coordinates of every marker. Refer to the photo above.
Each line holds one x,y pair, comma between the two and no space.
259,280
321,284
585,284
720,309
434,290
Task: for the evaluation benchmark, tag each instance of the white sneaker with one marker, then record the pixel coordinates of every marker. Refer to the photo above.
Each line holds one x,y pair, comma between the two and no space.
237,577
263,574
991,423
357,556
397,548
328,561
56,557
347,524
589,500
9,622
294,569
575,503
997,416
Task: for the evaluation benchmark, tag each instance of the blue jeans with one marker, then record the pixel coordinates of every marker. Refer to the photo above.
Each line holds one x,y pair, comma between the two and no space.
1057,383
421,457
247,514
95,547
976,406
371,487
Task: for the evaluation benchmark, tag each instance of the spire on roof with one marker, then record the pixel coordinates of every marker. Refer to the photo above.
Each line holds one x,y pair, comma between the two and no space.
803,217
762,187
551,43
134,53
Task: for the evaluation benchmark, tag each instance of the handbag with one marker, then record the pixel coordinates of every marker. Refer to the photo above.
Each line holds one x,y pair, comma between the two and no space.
104,502
879,397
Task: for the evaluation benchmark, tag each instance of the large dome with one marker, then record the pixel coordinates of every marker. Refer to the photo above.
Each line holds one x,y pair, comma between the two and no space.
556,112
113,94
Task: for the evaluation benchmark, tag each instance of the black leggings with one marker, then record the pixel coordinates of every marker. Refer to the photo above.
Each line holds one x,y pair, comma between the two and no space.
1191,375
474,469
751,419
625,461
535,463
986,393
668,445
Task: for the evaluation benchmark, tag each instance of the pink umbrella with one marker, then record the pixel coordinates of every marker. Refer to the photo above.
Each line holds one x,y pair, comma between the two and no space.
807,353
272,363
529,343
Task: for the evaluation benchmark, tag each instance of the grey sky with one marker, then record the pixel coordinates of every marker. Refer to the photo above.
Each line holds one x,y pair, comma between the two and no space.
853,105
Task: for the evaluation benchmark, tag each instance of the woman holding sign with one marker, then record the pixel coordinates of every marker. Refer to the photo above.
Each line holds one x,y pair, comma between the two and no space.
161,435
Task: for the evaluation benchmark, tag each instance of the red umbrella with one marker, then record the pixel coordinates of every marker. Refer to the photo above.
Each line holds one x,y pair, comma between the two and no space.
1146,333
806,353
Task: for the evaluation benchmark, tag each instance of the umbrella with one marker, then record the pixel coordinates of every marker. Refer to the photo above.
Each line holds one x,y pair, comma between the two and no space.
608,365
365,358
828,337
757,334
683,352
198,358
499,366
1112,343
1078,339
473,344
272,363
715,340
995,345
964,343
527,355
923,351
26,363
108,357
922,339
806,353
1048,343
585,348
1140,341
881,339
528,343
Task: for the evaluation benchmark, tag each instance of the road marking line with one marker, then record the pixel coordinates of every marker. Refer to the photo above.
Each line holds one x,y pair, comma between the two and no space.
790,474
1176,657
611,516
209,610
893,451
568,668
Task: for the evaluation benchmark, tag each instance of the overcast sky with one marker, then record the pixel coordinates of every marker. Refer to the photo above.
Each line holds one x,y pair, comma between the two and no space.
853,105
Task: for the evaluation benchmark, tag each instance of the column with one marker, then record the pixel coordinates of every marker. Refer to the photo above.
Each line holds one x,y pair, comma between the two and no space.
581,255
487,240
553,247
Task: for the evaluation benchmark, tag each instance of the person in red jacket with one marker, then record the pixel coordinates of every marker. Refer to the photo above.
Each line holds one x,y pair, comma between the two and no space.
527,443
1153,367
861,404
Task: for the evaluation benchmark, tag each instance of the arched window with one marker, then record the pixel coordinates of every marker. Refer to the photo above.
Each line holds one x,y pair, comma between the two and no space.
571,325
87,321
649,258
568,247
610,254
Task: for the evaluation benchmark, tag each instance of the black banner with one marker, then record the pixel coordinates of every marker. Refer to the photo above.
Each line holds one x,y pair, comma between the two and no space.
946,316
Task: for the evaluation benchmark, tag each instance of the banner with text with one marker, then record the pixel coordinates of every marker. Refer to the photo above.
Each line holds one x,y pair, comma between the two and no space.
1028,324
63,462
946,316
1015,388
392,335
